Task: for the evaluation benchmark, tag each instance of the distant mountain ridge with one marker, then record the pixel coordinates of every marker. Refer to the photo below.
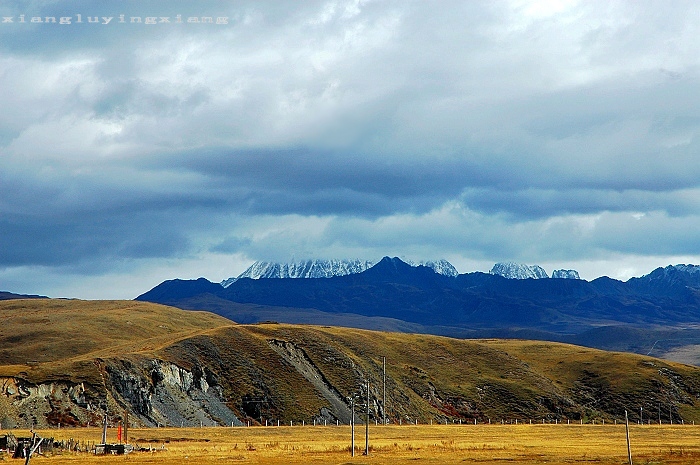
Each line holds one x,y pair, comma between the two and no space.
419,295
689,274
673,280
315,268
4,295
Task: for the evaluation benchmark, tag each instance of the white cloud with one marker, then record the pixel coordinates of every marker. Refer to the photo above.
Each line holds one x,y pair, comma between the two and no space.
545,132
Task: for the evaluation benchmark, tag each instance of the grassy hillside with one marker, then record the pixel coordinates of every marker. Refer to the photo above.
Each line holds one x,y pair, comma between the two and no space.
42,337
66,361
495,378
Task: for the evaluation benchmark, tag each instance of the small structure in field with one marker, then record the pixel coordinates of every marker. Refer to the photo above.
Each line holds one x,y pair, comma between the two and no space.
119,448
19,448
114,449
24,448
8,443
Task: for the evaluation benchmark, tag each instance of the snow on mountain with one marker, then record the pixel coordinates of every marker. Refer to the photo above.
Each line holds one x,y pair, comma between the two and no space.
512,270
441,266
302,269
565,274
229,281
682,268
688,274
325,269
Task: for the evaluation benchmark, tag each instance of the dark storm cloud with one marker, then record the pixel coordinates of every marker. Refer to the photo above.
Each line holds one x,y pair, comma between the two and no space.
71,222
545,203
308,181
60,242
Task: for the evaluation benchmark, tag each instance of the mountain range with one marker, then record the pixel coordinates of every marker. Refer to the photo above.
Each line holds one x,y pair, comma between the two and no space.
315,268
639,315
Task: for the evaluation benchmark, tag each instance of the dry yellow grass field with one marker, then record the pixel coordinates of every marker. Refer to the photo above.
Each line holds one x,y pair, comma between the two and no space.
452,444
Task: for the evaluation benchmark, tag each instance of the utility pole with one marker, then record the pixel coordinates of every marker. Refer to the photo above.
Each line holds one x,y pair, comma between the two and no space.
104,430
641,416
627,431
36,442
384,388
352,426
367,422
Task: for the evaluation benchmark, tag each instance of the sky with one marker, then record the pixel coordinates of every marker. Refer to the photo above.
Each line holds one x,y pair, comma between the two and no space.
559,133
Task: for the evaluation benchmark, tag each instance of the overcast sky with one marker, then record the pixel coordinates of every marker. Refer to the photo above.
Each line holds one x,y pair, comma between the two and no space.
564,134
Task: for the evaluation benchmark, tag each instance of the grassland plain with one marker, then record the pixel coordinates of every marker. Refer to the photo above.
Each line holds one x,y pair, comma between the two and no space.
452,444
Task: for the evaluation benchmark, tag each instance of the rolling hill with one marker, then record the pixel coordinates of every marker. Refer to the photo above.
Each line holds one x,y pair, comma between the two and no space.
69,362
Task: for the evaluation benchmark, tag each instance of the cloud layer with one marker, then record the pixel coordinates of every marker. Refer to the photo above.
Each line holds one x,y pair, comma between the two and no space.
561,133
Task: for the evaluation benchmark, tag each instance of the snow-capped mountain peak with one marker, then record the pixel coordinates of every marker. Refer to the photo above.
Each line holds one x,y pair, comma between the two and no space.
565,274
512,270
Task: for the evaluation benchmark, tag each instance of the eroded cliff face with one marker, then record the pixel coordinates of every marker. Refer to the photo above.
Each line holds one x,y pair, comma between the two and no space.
23,404
162,393
152,392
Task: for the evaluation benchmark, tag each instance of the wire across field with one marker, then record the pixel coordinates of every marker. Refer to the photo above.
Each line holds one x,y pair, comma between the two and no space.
452,444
